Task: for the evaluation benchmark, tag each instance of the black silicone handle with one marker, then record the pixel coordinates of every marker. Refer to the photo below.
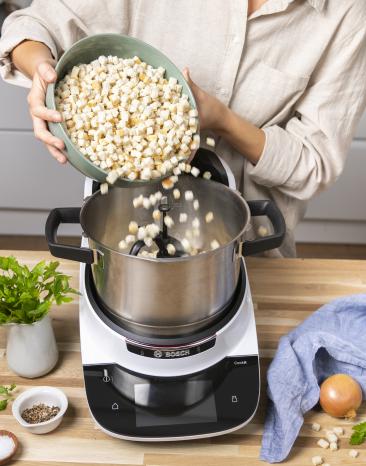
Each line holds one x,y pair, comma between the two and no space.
55,218
269,209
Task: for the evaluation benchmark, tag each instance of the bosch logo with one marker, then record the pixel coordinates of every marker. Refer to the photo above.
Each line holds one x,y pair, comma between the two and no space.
177,354
171,354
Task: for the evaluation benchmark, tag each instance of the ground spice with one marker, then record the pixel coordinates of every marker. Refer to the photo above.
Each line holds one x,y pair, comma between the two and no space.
40,413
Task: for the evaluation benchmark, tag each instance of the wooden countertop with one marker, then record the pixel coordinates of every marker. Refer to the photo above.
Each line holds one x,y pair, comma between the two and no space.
285,292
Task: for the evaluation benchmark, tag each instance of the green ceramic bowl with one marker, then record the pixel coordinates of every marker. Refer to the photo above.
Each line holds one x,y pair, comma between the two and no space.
87,50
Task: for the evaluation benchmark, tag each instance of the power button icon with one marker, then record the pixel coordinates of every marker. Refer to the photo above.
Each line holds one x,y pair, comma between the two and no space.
106,377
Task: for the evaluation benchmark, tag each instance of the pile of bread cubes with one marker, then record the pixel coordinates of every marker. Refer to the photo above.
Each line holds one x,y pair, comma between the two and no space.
127,118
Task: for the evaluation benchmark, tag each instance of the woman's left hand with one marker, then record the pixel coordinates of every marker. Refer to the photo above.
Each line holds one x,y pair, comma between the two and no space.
212,112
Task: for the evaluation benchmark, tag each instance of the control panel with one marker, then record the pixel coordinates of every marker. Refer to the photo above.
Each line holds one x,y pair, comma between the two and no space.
215,400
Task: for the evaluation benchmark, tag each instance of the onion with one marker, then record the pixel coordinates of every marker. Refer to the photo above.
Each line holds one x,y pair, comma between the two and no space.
340,396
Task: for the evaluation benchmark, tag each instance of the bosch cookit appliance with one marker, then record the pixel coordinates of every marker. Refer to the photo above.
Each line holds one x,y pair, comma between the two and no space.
169,346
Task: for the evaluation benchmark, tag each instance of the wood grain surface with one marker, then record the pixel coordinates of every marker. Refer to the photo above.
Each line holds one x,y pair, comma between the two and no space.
285,292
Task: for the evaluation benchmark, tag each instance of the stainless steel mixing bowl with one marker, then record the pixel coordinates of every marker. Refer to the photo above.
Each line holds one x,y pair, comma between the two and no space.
170,295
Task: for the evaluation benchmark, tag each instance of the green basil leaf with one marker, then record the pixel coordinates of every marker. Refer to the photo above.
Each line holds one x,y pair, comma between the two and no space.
360,427
357,438
4,390
3,404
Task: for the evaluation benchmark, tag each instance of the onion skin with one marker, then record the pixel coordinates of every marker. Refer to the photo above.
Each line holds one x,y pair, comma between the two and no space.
340,396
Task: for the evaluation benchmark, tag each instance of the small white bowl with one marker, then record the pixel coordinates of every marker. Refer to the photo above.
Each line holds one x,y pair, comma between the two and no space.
47,395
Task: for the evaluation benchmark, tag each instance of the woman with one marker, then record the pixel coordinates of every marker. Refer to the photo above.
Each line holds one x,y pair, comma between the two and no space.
279,83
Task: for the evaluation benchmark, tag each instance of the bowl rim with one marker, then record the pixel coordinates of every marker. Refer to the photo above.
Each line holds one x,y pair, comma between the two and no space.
27,394
51,96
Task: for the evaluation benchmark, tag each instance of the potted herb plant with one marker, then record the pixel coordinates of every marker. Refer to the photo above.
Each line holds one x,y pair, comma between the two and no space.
26,296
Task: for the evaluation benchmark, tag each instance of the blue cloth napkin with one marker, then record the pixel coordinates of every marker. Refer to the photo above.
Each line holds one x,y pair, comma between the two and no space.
330,341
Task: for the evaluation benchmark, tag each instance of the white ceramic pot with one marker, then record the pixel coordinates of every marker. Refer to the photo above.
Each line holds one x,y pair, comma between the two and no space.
31,349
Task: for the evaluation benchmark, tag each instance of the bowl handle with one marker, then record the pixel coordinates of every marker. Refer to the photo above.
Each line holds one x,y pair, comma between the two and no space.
55,218
269,209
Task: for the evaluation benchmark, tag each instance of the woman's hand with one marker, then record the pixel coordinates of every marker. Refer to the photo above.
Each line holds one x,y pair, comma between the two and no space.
44,75
34,59
212,112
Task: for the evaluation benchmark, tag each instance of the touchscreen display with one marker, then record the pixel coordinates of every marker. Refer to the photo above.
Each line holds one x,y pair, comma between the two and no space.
202,412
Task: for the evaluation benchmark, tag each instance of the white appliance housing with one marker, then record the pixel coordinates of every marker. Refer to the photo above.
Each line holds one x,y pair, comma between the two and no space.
102,347
216,378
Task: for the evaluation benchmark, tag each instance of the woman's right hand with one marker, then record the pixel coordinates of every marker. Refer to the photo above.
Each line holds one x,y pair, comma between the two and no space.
45,74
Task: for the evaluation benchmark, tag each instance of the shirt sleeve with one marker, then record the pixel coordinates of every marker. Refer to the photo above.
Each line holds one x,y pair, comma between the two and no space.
308,153
52,23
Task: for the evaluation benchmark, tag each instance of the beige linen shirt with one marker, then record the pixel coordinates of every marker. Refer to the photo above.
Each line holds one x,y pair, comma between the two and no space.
296,68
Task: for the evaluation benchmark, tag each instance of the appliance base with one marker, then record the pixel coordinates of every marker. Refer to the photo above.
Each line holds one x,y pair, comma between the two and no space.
143,392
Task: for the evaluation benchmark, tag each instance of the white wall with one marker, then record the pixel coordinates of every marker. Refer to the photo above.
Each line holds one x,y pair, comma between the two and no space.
31,181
